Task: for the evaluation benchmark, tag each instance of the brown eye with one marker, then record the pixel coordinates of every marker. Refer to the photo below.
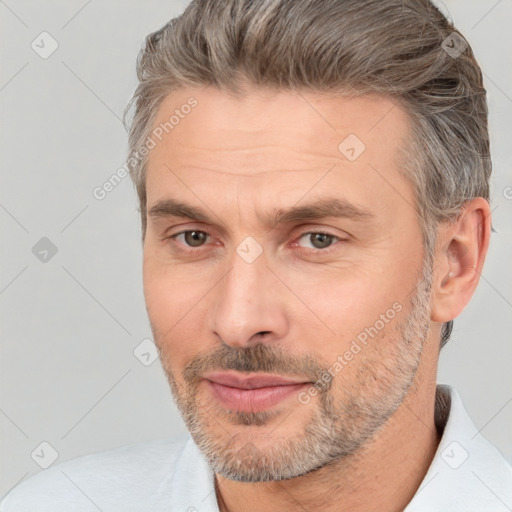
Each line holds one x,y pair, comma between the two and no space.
321,240
194,238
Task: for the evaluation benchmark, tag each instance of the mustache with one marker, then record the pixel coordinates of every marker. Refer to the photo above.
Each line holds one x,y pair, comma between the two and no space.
257,358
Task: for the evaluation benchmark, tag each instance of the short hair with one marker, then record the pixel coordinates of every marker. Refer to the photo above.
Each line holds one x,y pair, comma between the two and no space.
406,50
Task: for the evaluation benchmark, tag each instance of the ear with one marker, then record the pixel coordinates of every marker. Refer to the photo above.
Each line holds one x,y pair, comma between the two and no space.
460,253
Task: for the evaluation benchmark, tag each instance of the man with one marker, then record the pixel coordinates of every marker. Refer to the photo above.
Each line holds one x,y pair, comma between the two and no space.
313,181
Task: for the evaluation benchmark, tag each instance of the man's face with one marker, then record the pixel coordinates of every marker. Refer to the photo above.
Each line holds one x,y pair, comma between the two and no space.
298,261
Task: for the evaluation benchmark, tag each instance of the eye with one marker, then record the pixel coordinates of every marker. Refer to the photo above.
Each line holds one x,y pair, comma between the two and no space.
317,240
193,238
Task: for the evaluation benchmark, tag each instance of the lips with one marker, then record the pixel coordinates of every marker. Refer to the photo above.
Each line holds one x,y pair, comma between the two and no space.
251,392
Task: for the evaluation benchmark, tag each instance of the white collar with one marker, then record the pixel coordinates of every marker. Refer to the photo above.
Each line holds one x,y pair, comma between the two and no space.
467,473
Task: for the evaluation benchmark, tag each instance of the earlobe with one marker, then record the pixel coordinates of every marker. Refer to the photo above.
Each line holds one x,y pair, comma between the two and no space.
459,257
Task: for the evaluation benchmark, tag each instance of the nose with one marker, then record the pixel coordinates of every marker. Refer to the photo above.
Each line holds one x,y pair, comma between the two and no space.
248,306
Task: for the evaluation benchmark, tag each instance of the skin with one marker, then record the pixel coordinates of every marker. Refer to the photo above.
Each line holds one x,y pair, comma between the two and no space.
238,158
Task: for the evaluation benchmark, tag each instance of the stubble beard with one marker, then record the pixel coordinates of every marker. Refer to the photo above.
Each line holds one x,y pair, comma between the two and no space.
338,426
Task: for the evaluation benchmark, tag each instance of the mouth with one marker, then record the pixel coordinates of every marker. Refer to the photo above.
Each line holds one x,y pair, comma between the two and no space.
251,392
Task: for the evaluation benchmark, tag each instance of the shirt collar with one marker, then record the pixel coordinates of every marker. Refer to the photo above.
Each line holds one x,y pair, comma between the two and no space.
467,473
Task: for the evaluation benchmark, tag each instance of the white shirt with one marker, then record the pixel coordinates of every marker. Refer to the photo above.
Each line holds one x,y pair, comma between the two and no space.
467,474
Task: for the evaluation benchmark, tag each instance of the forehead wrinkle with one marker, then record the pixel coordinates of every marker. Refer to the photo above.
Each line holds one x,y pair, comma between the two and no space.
256,173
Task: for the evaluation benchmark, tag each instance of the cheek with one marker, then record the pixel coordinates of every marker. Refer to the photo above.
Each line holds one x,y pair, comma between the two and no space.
342,304
176,312
170,291
353,320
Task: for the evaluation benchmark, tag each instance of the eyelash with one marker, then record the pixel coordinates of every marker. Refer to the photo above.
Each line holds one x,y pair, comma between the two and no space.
190,249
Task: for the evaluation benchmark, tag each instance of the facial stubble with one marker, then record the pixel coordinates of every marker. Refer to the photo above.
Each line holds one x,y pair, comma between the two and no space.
345,416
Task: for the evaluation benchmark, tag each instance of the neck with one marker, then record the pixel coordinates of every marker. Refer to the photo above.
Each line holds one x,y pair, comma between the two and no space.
383,475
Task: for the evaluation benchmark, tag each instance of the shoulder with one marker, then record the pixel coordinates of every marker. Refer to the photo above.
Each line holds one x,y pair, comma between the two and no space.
128,475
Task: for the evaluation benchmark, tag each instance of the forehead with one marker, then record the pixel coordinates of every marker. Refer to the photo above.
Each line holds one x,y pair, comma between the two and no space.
301,122
278,141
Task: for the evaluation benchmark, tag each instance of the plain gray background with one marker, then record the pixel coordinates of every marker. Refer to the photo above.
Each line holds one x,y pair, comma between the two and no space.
69,376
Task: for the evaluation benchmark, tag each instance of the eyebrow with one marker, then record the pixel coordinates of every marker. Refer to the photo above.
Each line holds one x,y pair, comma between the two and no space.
323,208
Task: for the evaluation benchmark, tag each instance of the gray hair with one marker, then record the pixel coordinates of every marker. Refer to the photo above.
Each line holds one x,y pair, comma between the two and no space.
404,49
